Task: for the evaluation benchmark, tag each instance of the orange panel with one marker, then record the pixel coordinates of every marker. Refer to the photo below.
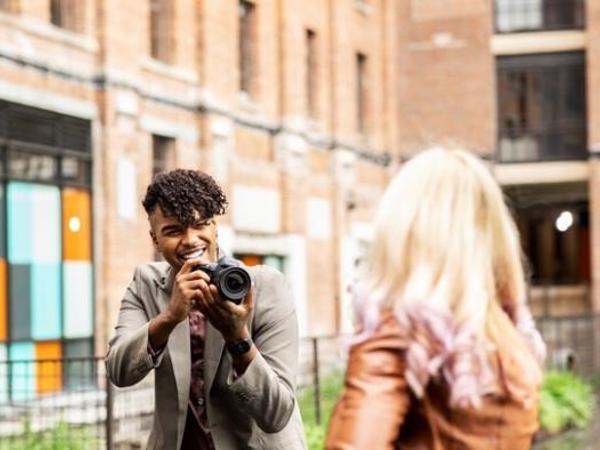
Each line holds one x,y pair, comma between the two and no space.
251,260
3,317
76,223
49,372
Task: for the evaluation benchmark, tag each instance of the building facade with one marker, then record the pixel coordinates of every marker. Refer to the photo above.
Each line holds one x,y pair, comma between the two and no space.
515,81
288,103
302,110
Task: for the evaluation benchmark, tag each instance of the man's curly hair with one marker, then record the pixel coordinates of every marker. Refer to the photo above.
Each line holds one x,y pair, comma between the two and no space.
182,192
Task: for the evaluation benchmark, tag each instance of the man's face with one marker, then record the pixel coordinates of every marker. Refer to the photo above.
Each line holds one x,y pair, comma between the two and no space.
177,242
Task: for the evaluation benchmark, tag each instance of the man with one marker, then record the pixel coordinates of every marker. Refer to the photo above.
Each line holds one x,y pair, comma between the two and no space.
224,372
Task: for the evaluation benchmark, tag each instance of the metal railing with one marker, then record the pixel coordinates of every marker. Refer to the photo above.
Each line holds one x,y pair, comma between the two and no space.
38,410
538,15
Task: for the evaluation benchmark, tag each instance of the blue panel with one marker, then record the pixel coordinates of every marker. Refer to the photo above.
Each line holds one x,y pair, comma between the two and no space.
45,301
20,223
22,376
78,299
3,375
20,301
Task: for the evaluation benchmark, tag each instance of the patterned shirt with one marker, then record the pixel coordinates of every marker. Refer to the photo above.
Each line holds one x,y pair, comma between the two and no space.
197,432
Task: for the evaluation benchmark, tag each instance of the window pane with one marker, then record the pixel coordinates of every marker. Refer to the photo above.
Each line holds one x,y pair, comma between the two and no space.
246,46
22,376
160,30
48,367
79,373
76,170
30,166
542,107
78,300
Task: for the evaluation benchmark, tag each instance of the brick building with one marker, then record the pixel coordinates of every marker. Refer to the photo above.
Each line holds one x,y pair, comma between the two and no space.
516,81
301,109
288,103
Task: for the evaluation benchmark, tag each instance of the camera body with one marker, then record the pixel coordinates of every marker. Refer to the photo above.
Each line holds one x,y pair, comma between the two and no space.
229,276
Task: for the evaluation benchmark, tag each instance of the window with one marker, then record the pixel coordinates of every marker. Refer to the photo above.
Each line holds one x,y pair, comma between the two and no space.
247,52
274,261
311,73
553,222
163,154
542,107
542,15
67,14
46,269
161,30
361,91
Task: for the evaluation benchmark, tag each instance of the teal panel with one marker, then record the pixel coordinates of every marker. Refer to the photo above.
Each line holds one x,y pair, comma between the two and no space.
45,301
22,376
78,299
3,375
20,222
46,224
80,371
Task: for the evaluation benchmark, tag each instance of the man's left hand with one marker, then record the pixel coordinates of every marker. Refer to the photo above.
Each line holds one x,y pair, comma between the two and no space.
227,317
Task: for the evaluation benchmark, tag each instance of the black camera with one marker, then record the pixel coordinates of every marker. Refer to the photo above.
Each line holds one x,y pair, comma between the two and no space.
229,276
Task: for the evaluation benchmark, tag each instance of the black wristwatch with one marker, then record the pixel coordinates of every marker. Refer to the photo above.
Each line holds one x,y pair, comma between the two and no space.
239,347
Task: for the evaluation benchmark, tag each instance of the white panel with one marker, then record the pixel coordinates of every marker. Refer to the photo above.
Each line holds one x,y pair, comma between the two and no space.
296,274
256,209
318,220
78,312
46,224
126,189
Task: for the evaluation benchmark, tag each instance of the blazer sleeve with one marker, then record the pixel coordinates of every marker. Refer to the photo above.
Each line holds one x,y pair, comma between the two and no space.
376,399
128,359
265,391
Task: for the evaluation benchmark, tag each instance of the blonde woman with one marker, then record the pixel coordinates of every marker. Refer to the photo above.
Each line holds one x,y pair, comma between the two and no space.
448,356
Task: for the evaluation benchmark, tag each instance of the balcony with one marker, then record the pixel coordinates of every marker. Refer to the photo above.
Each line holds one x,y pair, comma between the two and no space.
513,16
542,107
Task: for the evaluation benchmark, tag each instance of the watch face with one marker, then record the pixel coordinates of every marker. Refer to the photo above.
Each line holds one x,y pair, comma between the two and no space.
238,348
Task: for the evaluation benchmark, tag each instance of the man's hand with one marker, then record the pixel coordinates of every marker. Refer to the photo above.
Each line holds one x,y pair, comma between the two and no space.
230,319
227,317
186,286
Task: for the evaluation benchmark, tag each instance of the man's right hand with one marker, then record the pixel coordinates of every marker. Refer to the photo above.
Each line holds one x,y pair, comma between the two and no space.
186,285
185,289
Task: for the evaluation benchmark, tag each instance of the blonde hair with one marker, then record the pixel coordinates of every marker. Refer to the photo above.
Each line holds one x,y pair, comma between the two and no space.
444,235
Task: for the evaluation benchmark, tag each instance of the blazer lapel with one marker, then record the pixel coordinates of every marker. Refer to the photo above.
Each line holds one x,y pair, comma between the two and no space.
178,345
179,352
213,350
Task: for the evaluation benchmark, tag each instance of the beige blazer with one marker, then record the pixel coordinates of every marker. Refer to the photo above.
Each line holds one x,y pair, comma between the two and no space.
255,411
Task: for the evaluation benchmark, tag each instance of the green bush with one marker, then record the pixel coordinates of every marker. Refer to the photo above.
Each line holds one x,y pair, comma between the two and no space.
566,401
61,437
331,388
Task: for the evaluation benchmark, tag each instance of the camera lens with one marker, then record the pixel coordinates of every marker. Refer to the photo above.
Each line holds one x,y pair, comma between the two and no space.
234,283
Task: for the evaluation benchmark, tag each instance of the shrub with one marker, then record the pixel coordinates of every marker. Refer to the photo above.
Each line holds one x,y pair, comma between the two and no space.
566,401
331,388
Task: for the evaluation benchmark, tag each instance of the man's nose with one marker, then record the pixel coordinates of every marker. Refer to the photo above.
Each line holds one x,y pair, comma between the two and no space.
189,236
